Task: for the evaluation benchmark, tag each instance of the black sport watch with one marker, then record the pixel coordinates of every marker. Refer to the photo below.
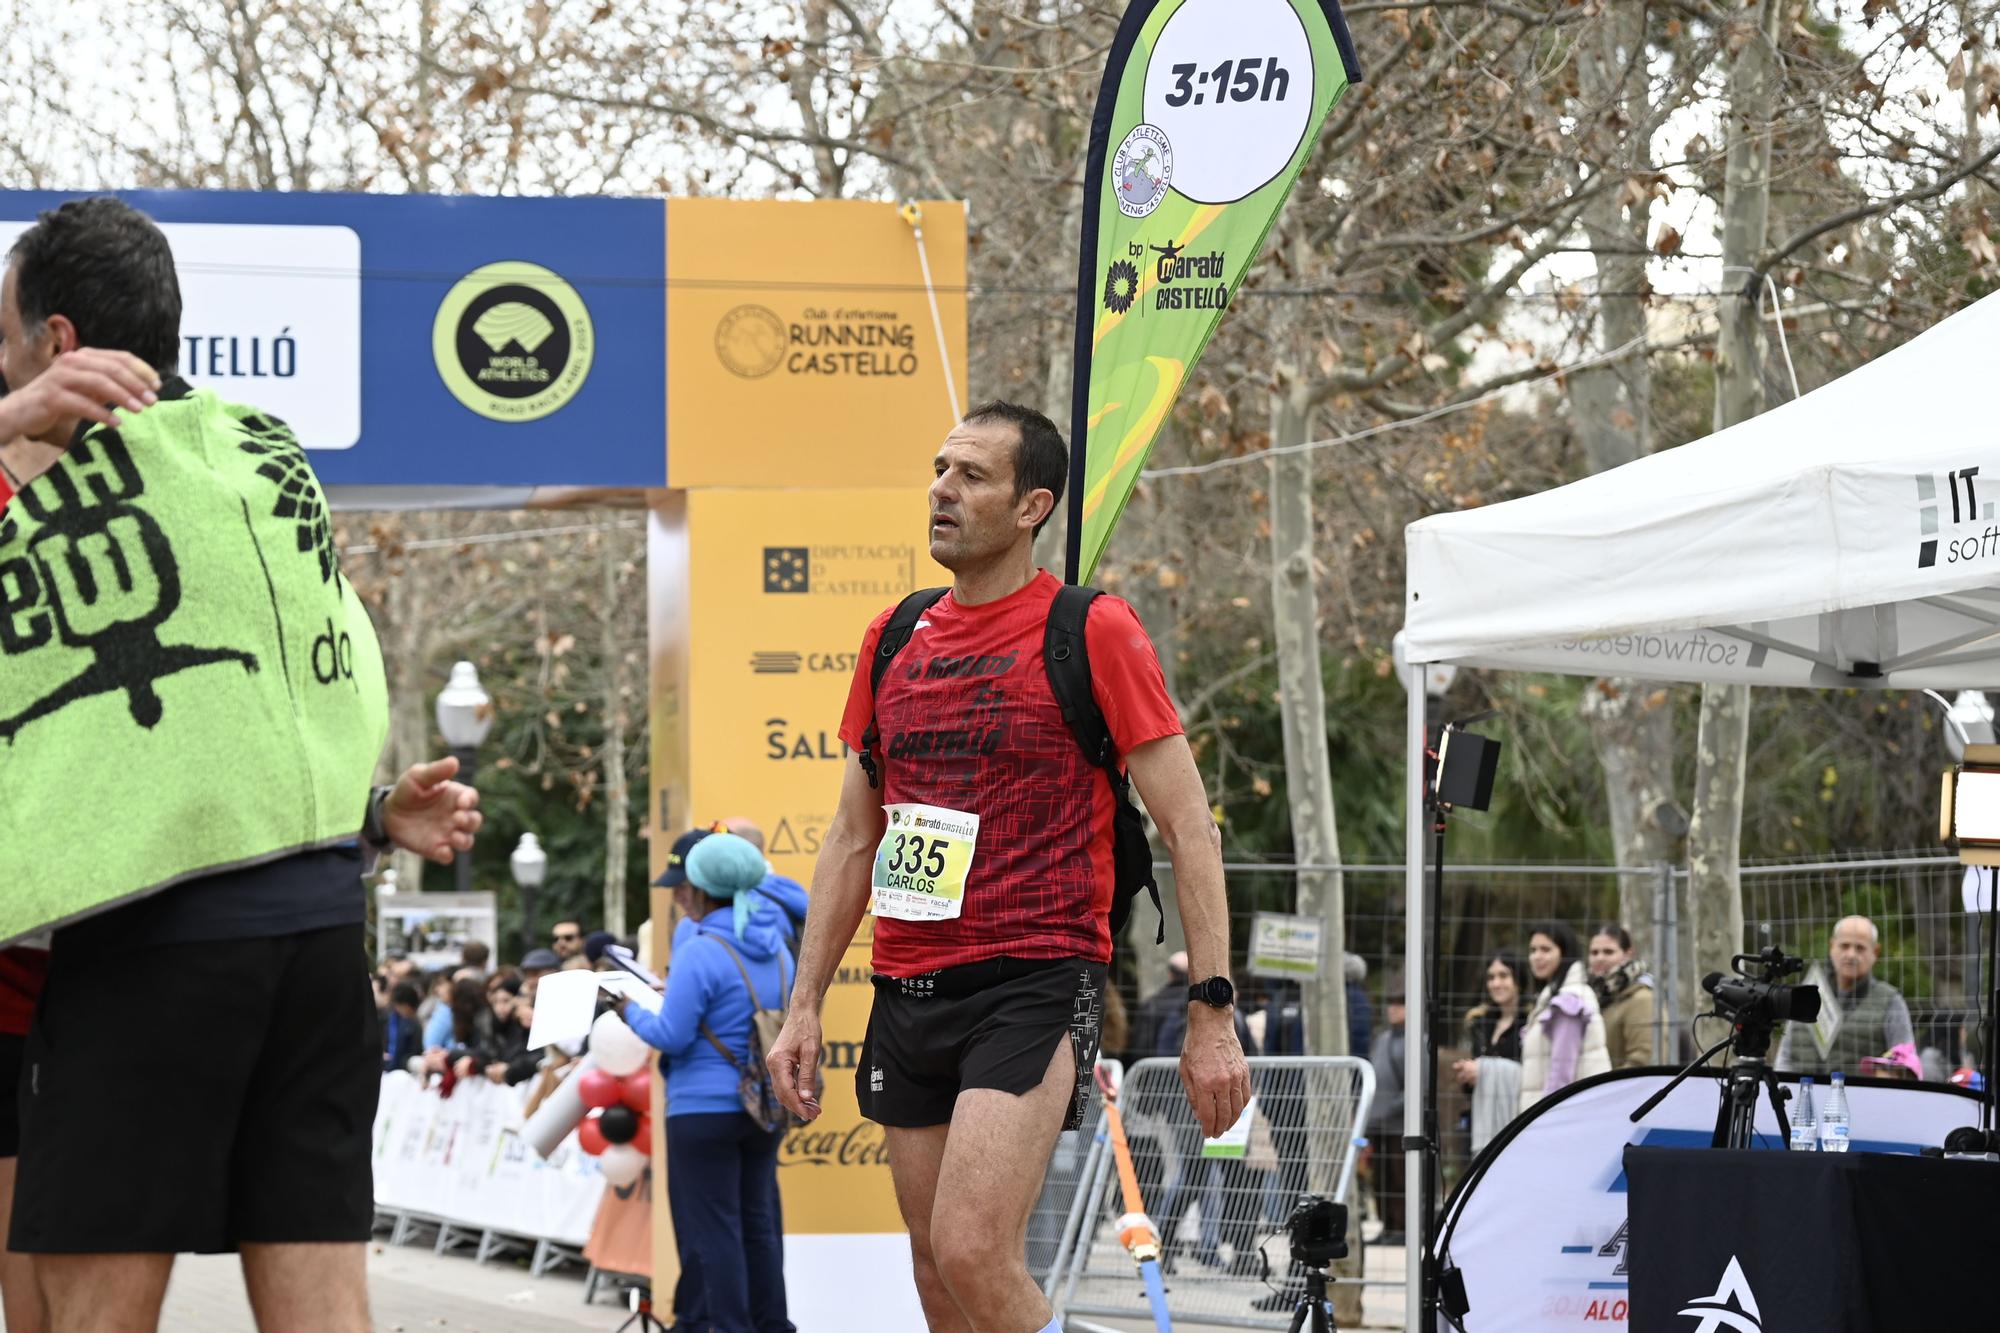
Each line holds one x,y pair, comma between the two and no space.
1216,993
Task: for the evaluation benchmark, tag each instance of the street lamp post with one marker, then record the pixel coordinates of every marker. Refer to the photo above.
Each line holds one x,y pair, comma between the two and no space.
464,717
530,865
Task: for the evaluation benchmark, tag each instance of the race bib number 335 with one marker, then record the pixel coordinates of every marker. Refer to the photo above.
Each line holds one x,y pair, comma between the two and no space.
922,862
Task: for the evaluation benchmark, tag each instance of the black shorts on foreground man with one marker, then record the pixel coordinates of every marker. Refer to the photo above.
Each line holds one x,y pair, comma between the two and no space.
991,1024
252,1066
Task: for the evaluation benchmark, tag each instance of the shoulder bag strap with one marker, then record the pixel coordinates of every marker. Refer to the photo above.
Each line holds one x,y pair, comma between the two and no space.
741,970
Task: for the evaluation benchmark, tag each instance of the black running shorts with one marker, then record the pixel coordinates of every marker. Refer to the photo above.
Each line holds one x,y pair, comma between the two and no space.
10,1103
198,1097
991,1024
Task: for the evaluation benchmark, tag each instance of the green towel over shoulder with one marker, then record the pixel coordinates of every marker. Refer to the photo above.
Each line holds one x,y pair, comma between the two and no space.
188,683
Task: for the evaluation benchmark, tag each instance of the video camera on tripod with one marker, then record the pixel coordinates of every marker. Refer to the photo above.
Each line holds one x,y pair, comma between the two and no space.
1754,1001
1318,1231
1757,998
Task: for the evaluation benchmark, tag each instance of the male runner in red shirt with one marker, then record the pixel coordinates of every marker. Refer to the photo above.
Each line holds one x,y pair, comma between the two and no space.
987,861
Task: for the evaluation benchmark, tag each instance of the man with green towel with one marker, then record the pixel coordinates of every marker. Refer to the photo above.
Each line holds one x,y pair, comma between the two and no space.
191,710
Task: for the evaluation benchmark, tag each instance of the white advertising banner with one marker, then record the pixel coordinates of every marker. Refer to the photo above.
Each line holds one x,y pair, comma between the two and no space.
1541,1236
270,316
461,1158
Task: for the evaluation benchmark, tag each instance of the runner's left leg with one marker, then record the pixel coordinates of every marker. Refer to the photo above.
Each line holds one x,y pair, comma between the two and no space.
991,1173
914,1158
308,1288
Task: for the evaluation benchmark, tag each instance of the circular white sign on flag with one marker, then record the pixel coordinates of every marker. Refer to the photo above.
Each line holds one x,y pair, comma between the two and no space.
1231,86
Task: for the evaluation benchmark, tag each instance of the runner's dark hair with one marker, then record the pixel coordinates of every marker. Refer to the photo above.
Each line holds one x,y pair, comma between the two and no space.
1041,459
104,266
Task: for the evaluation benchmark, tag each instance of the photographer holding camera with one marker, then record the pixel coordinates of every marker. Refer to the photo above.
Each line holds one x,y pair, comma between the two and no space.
1871,1015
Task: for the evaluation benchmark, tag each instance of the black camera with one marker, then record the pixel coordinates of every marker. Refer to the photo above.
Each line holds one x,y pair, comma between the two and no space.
1318,1231
1757,998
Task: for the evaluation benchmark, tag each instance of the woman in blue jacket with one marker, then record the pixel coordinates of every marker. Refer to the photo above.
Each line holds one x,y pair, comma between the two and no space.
722,1169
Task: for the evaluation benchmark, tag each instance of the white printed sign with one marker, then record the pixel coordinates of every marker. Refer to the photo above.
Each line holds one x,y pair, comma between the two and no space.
270,317
1284,946
461,1158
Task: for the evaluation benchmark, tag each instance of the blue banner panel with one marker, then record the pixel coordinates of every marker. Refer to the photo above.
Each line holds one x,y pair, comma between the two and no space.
426,340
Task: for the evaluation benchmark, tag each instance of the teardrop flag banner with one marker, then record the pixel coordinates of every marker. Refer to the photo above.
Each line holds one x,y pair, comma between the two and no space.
1208,112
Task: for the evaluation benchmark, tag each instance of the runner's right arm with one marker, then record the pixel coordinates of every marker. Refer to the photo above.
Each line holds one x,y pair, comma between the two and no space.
839,898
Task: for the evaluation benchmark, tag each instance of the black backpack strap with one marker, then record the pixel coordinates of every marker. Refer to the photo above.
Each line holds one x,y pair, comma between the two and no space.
1066,655
895,635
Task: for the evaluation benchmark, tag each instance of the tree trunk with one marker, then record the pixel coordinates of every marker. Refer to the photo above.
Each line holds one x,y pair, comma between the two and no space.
1632,726
1611,411
409,699
1053,545
1715,888
617,794
1969,91
1308,769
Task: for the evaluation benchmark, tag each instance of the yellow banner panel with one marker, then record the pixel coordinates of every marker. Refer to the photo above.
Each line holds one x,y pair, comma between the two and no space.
751,671
802,348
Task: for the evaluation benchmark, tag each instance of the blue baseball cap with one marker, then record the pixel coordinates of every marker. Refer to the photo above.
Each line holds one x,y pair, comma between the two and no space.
676,872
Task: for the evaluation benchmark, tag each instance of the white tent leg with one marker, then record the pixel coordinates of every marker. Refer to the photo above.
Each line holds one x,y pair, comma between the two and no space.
1417,929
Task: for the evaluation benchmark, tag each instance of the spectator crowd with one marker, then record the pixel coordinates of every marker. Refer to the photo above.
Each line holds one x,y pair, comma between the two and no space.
1555,1011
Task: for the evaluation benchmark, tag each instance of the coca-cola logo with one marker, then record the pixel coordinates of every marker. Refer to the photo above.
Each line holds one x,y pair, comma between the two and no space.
861,1144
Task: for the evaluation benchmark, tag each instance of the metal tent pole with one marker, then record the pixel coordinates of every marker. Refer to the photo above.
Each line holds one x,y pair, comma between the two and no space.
1415,932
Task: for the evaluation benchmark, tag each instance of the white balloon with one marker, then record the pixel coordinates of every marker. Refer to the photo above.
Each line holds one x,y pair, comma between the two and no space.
616,1048
621,1164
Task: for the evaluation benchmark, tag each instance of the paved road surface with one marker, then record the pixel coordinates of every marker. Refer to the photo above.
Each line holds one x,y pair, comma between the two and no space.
411,1290
414,1291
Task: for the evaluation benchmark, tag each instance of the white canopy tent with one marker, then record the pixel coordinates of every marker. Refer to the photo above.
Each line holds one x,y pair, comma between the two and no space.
1850,538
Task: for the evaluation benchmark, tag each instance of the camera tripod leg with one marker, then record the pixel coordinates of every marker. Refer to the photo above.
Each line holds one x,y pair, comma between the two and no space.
1778,1099
1313,1314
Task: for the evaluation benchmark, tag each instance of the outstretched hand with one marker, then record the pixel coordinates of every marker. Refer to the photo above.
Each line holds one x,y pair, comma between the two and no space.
431,815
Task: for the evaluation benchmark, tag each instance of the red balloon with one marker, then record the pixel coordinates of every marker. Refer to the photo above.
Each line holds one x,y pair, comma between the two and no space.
590,1136
643,1140
598,1088
636,1090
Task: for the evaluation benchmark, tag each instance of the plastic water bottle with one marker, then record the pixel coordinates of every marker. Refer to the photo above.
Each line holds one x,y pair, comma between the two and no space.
1833,1123
1805,1133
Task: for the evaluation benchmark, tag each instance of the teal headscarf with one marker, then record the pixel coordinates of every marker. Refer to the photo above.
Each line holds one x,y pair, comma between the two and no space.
723,865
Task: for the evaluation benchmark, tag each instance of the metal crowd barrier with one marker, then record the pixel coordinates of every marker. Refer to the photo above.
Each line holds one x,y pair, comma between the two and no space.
1220,1219
1058,1214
